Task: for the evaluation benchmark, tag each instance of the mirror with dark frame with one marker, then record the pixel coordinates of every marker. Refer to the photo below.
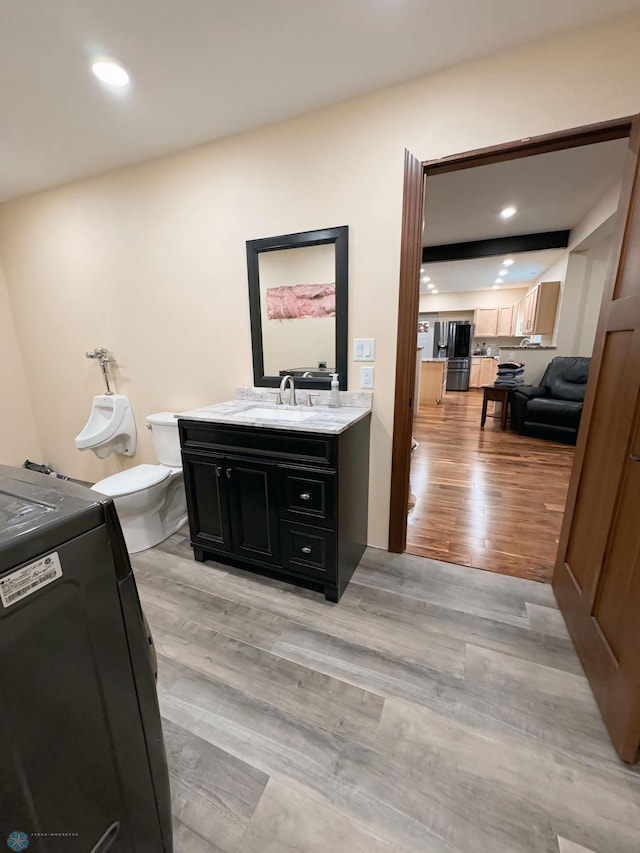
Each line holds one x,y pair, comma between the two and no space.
298,300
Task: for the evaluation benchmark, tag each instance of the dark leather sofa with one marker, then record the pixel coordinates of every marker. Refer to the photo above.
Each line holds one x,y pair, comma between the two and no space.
553,408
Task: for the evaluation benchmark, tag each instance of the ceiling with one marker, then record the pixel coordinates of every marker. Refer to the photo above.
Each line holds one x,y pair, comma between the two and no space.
552,192
203,70
480,274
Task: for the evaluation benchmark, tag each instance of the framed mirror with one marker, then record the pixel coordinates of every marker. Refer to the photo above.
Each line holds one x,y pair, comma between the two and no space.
298,298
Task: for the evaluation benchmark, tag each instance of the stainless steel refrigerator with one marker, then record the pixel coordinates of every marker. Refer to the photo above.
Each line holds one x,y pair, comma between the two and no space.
452,340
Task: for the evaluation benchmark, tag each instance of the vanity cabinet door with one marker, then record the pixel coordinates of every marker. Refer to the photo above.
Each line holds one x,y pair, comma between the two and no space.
253,490
207,500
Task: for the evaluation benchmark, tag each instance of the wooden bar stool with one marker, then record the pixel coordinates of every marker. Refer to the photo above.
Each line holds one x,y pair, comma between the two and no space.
501,394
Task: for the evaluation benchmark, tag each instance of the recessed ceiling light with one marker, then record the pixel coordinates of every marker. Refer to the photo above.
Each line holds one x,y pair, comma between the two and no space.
434,291
496,287
507,212
498,281
110,73
426,278
430,286
507,262
504,272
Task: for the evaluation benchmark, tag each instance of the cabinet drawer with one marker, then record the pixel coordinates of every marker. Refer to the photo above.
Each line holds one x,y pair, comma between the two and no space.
308,550
307,496
268,443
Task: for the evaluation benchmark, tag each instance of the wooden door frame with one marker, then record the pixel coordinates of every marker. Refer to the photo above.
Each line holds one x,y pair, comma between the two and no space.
408,297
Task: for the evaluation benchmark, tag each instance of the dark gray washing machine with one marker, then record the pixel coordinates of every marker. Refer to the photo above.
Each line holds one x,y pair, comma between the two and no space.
82,759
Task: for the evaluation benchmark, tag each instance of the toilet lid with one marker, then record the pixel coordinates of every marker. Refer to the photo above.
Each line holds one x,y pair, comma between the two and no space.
132,480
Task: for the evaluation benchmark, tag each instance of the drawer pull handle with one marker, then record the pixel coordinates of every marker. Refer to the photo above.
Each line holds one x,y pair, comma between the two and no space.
229,470
218,471
306,549
305,496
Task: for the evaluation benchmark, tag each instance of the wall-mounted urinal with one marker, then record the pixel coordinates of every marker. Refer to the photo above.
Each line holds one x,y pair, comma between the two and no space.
110,428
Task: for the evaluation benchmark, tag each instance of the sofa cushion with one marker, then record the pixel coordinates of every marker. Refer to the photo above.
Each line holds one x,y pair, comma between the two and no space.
546,410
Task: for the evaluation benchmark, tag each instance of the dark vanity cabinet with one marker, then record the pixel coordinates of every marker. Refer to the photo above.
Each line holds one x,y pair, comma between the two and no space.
282,502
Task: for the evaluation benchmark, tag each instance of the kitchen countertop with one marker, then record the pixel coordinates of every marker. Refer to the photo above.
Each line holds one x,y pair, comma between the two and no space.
322,418
438,360
513,349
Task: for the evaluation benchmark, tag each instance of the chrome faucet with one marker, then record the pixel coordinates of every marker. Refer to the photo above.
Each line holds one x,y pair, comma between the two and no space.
287,380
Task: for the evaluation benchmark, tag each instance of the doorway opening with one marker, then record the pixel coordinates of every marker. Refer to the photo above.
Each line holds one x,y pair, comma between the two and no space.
476,496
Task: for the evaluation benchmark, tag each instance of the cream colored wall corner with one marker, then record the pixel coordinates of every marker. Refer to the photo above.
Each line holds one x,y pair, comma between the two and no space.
150,260
18,436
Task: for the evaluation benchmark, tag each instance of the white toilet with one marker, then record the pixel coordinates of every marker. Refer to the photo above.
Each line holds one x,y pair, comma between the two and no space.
150,499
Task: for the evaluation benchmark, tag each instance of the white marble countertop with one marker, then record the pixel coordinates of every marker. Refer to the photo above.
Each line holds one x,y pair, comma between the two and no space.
438,360
252,404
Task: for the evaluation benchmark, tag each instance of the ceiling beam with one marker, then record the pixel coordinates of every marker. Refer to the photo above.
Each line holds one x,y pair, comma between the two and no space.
495,246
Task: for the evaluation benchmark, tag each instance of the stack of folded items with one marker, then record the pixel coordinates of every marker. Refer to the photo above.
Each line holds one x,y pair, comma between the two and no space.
510,374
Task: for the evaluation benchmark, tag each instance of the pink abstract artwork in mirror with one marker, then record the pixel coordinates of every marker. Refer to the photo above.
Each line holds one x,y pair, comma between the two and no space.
301,300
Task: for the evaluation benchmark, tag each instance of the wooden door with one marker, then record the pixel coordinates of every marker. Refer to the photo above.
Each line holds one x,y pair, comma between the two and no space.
597,575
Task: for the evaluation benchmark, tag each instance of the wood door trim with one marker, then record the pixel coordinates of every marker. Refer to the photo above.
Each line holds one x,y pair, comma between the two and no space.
408,298
587,135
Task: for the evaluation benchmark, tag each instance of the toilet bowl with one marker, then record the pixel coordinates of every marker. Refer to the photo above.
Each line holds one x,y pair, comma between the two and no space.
110,428
150,499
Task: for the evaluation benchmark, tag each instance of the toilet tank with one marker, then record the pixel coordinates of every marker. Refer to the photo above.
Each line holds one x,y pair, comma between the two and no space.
166,438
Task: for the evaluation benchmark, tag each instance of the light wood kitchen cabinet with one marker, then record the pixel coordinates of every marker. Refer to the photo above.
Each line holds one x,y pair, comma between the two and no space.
433,382
507,315
540,308
485,321
484,371
474,375
488,371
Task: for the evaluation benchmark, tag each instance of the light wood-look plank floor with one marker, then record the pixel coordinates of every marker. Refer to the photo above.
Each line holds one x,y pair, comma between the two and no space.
435,708
485,498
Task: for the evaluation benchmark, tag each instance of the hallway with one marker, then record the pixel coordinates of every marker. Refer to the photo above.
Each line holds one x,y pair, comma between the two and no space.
485,498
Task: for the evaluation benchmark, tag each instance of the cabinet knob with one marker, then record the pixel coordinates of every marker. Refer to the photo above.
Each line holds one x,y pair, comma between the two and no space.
229,470
305,496
306,549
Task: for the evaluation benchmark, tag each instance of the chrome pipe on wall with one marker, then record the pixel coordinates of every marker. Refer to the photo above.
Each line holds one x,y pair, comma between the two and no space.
102,355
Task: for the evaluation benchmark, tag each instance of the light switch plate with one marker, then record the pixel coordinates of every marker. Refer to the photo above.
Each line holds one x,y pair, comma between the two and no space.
364,349
366,377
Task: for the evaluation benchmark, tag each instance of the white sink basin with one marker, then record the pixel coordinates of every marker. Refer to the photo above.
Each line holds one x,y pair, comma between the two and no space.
262,413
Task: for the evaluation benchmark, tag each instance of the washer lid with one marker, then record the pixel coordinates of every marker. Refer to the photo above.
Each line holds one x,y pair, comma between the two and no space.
133,480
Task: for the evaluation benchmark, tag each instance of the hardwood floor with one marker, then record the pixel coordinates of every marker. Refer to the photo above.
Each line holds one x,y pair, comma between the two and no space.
485,498
435,708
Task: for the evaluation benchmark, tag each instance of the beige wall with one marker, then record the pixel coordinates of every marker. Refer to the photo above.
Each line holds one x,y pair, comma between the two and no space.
18,436
150,260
